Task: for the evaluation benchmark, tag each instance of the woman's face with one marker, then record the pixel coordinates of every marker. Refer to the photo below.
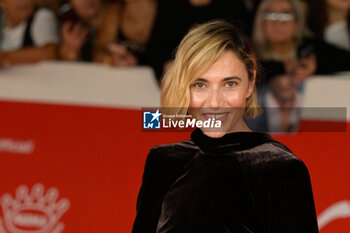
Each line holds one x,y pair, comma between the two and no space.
221,93
279,22
339,4
18,10
86,9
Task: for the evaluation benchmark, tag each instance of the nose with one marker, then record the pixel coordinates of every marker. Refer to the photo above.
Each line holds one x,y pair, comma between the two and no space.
215,99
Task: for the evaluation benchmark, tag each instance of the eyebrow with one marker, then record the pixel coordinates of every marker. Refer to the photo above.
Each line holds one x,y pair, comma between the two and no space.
224,80
232,77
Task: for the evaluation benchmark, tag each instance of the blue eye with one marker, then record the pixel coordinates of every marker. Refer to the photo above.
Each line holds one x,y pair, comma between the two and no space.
231,84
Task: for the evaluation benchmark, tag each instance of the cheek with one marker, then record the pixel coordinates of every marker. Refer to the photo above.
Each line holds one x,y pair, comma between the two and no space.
293,29
270,32
197,99
235,99
266,29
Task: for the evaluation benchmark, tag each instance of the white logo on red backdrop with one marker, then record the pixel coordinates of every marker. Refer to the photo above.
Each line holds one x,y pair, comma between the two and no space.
33,212
338,210
15,146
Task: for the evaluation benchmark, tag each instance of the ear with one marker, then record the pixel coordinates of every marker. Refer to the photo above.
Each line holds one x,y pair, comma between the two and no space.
251,85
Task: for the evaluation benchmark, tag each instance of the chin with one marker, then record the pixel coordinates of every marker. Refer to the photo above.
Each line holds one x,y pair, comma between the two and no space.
214,134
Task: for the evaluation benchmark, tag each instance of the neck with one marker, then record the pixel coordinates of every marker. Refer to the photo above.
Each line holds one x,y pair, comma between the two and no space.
200,2
240,126
283,48
336,15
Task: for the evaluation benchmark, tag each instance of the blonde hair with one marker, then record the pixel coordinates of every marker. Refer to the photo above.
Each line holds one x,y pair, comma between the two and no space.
200,48
259,39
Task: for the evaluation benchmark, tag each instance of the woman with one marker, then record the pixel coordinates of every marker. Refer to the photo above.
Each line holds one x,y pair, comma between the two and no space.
228,179
279,30
279,35
288,57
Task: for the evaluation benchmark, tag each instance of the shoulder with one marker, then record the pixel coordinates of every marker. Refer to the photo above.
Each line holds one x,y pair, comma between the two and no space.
275,158
176,151
44,20
44,29
164,161
43,14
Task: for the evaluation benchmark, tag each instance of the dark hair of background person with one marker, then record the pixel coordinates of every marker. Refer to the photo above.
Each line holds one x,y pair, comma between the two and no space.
176,17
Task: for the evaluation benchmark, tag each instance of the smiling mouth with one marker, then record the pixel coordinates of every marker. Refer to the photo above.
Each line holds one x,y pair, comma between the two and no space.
216,116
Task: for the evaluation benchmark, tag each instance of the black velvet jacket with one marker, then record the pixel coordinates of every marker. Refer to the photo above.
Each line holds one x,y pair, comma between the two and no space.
241,182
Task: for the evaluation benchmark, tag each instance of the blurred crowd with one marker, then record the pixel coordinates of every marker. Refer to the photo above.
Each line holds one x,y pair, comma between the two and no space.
293,39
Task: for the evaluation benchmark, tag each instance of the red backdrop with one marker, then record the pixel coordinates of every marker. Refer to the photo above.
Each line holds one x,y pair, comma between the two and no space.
94,157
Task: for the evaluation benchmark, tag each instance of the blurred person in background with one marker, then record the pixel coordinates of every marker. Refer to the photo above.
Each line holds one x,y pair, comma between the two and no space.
176,17
87,29
278,33
135,23
281,103
27,34
288,57
150,30
330,20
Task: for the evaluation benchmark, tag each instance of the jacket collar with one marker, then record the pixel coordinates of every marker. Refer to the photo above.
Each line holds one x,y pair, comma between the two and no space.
230,142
